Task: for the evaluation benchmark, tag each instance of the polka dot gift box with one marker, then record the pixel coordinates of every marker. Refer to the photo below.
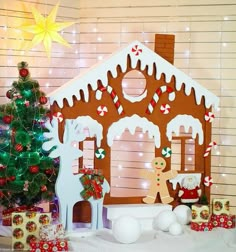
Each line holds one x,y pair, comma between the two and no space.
223,221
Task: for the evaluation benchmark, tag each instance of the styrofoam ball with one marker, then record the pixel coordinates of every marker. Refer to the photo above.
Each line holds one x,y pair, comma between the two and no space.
183,214
163,220
176,228
126,229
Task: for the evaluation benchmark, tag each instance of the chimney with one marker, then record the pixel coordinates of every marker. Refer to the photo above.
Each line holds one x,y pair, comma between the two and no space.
164,46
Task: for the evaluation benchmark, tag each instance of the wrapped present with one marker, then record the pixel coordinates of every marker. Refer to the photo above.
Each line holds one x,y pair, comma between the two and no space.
25,228
224,221
201,226
220,206
7,213
92,186
51,232
49,246
200,213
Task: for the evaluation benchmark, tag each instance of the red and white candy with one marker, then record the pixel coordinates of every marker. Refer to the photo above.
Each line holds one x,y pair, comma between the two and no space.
208,149
209,117
165,109
208,181
59,116
102,110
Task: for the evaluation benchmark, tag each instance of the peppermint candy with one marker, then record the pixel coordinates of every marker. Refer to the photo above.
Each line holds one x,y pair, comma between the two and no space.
102,110
59,116
165,109
137,50
100,153
166,152
208,181
209,117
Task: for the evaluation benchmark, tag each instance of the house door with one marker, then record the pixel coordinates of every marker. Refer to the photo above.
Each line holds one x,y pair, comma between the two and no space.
129,155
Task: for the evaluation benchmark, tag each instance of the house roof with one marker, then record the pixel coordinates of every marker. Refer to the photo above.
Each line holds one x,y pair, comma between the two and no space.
137,52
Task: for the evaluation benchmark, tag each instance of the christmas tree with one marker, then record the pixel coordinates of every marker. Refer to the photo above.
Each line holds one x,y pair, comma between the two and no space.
27,174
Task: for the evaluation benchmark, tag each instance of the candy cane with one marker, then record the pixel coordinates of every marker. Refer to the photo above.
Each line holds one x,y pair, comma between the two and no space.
113,95
157,95
208,149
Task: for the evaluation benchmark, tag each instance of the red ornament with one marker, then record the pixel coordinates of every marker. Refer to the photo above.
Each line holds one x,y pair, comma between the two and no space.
23,72
9,94
11,178
49,171
2,181
7,119
43,188
43,100
19,147
1,194
2,167
34,169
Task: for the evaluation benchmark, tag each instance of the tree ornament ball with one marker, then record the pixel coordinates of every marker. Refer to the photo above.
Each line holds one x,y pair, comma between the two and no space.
19,147
126,229
163,220
43,100
176,228
7,119
2,181
43,188
183,214
9,94
23,72
34,169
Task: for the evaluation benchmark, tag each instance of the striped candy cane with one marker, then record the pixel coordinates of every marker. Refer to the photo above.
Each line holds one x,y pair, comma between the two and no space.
209,147
157,95
113,95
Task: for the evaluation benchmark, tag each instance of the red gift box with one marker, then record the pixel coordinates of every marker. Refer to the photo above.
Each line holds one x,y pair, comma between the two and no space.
49,246
224,221
201,226
7,213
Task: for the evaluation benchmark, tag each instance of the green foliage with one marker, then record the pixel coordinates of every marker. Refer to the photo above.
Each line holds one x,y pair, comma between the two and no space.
27,174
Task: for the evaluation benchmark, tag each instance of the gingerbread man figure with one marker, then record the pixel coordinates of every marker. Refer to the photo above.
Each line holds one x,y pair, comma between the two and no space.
158,180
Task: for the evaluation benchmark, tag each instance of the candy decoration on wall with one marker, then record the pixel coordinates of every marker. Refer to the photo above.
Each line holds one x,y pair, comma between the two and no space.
100,153
157,95
166,152
209,117
59,116
136,50
208,181
165,109
102,110
208,149
113,95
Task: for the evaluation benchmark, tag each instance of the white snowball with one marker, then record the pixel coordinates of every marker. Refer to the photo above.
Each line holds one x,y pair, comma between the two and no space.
126,229
163,220
183,214
175,228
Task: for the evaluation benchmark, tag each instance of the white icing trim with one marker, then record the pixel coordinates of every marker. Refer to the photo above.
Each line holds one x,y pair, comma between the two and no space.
95,128
147,58
187,121
135,98
130,123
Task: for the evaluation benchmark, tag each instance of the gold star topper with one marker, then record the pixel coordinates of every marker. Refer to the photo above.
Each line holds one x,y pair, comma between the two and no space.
46,30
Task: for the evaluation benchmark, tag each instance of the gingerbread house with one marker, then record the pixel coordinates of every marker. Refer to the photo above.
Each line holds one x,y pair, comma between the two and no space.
170,117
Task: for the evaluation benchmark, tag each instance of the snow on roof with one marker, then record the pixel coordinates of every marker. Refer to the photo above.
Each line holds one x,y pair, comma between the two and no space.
137,52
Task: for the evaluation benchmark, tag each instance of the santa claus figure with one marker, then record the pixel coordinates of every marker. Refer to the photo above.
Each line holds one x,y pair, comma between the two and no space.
189,192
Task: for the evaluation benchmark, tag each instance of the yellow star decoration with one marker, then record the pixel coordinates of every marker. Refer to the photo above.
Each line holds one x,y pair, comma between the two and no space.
46,30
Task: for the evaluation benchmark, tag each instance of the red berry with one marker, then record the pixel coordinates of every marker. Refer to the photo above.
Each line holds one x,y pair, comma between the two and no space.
43,188
23,72
34,169
2,181
43,100
19,147
7,119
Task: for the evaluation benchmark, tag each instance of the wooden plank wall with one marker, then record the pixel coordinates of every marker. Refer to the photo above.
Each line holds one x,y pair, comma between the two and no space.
205,33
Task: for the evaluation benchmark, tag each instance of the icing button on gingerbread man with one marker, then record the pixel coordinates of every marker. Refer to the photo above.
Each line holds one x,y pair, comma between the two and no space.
158,180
